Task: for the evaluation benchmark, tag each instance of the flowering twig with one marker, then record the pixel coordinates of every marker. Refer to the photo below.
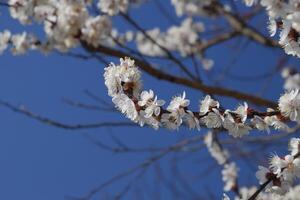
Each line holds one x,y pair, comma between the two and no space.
124,86
281,173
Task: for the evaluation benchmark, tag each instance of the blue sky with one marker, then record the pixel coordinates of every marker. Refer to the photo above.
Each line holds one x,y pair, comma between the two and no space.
40,162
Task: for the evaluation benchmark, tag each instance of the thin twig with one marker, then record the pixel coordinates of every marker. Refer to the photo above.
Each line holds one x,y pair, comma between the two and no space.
50,122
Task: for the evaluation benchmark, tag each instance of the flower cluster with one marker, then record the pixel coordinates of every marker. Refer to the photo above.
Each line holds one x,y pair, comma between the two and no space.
283,15
292,79
191,7
216,151
20,42
113,7
124,86
282,171
230,170
69,23
246,193
229,176
289,105
181,38
276,181
66,23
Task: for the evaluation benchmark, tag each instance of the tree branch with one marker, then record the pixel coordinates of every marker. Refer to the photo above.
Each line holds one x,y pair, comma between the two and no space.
183,81
242,28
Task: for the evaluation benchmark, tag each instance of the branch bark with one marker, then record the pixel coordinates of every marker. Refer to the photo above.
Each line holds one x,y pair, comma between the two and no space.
159,74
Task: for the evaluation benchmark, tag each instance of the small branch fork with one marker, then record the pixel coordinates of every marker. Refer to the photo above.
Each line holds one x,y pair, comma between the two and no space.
142,166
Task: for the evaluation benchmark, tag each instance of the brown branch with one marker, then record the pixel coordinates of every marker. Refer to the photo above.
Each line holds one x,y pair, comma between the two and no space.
261,188
148,68
202,46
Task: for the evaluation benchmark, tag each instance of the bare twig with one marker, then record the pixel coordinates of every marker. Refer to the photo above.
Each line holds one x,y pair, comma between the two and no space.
145,164
50,122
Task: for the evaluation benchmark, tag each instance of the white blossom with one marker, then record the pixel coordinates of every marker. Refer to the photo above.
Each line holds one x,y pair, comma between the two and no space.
289,105
4,40
219,154
292,168
63,27
292,82
43,12
236,129
146,97
272,27
213,119
178,103
294,146
287,168
293,194
126,106
190,7
184,38
148,47
153,106
276,123
125,78
151,121
285,72
277,186
112,80
276,164
281,175
21,10
229,176
191,121
242,112
171,120
225,197
113,7
287,13
262,174
20,43
207,104
260,124
246,193
281,189
96,30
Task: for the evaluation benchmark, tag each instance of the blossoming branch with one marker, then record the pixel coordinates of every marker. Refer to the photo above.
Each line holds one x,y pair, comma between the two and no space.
124,86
